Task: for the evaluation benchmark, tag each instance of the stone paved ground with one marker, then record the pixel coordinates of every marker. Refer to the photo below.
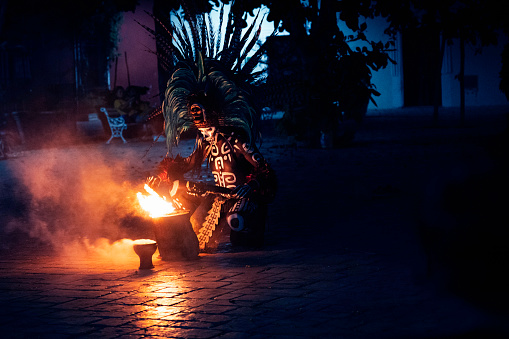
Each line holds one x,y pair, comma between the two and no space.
345,256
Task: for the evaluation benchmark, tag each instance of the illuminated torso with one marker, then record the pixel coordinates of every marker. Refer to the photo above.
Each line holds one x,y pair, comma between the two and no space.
227,163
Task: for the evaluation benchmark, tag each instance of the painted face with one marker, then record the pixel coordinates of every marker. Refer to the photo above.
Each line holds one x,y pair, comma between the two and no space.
208,133
198,113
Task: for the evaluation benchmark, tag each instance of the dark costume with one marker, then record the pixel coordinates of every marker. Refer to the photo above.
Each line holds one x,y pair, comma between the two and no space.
209,90
235,165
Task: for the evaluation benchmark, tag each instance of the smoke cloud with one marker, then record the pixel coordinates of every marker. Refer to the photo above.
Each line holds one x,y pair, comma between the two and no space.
75,199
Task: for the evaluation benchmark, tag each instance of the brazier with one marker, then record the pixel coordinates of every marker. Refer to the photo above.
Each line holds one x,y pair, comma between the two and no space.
175,237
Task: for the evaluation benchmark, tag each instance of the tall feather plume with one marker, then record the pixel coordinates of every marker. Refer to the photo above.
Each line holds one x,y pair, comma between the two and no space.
235,41
219,30
174,38
238,49
184,39
162,57
212,38
177,120
255,59
228,32
202,66
202,25
201,34
251,44
191,19
164,41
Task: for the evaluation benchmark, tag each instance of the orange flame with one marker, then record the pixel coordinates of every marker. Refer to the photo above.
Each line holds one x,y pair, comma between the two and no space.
154,204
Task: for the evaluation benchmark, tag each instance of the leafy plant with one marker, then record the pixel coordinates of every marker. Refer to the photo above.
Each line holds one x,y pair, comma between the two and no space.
337,76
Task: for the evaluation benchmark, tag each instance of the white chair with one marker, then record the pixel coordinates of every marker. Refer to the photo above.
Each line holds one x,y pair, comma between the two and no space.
117,125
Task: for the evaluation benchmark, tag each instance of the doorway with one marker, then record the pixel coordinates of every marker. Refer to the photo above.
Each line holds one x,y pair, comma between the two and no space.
421,52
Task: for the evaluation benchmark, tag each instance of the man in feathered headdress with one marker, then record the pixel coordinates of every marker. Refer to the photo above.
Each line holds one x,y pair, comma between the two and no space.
204,92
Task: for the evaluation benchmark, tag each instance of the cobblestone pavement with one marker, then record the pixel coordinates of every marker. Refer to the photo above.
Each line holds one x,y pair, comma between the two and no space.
343,257
276,293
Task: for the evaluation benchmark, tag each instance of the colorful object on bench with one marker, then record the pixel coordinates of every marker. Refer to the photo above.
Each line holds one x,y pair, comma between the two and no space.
117,125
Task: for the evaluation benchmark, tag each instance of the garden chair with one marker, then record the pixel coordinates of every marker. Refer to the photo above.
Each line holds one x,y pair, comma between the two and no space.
117,125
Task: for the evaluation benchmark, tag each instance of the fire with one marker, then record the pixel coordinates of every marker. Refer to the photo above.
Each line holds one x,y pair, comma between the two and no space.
144,242
154,204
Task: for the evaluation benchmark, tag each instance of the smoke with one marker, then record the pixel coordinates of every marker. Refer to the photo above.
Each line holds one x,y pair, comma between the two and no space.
105,250
78,199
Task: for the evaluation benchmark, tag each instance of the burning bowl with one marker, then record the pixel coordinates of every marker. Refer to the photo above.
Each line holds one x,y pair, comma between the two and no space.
172,228
145,248
175,237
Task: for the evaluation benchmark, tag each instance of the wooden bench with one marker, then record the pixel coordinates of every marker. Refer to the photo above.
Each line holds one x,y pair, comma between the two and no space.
116,122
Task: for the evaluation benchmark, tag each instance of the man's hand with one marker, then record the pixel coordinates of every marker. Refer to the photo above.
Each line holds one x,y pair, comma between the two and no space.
242,191
153,182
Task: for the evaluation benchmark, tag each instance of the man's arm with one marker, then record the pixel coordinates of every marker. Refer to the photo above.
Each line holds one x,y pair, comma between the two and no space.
262,179
170,169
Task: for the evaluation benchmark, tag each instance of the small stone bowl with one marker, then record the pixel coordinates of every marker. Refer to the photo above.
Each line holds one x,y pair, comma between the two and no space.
145,248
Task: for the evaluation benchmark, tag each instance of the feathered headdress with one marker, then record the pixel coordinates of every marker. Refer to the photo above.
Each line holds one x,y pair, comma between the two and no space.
210,71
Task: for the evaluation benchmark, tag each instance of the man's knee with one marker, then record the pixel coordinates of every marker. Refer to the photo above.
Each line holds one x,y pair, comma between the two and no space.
252,233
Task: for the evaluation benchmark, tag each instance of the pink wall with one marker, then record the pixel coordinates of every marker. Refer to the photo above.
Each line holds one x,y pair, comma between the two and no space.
136,42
